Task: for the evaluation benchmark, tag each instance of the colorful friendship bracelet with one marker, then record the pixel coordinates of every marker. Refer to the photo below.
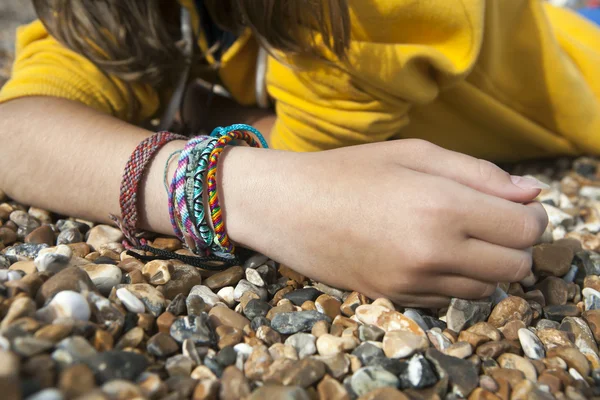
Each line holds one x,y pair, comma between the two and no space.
132,176
227,136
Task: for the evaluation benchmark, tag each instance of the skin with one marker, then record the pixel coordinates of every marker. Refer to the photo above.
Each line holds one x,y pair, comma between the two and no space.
406,219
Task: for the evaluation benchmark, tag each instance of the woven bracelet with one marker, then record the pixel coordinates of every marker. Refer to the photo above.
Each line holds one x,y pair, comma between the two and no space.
132,176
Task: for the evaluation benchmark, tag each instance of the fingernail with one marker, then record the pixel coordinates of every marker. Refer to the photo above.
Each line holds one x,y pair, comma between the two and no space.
528,182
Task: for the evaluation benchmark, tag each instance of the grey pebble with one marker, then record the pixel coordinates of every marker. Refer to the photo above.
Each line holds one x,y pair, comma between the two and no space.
370,332
292,322
195,328
415,316
532,346
367,379
68,236
419,374
304,343
367,352
243,286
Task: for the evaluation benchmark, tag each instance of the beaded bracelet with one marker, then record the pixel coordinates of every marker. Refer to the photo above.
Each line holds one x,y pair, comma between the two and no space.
227,136
132,176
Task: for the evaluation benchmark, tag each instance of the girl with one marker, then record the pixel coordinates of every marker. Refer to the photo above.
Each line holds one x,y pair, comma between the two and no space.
403,219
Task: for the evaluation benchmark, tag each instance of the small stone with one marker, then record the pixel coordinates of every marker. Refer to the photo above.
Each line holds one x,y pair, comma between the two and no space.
557,313
51,262
54,333
584,339
76,380
131,339
70,236
20,307
28,250
195,328
386,319
301,295
104,276
164,322
417,317
28,346
225,316
354,300
304,373
532,346
226,356
459,349
331,389
591,299
256,308
169,244
592,318
291,274
328,305
7,236
293,322
103,234
255,261
24,220
258,363
510,309
202,372
555,290
244,286
234,385
42,234
131,303
550,259
257,322
462,314
513,361
226,295
441,342
267,335
368,379
157,272
418,375
401,344
162,345
179,365
177,306
280,350
572,357
370,332
304,343
253,276
114,364
229,277
328,344
461,374
279,392
286,306
152,298
195,305
66,304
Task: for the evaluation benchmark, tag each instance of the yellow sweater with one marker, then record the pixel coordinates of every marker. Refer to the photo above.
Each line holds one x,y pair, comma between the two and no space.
499,79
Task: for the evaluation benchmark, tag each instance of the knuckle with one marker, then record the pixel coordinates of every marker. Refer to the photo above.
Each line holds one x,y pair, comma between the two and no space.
487,170
419,144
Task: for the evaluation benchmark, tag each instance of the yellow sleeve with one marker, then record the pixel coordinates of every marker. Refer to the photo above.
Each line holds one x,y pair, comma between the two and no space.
402,54
44,67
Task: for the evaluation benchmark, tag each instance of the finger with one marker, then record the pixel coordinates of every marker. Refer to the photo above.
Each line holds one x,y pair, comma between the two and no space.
478,174
460,286
504,223
488,262
420,301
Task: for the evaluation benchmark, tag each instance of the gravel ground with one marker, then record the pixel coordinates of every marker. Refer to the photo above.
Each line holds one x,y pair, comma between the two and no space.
82,319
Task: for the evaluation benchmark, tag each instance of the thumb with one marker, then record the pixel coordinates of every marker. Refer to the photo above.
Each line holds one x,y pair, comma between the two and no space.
478,174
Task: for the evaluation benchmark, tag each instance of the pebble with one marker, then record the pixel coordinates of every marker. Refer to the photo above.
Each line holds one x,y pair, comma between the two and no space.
69,236
557,313
104,276
532,346
304,373
179,365
461,374
462,314
592,318
370,332
103,234
27,250
24,220
510,309
20,307
550,259
132,303
555,290
352,302
572,357
116,364
292,322
591,299
584,339
157,272
51,262
459,349
221,315
152,298
301,295
162,345
72,350
42,234
47,394
55,332
244,286
66,304
329,388
279,392
328,344
226,295
258,363
229,277
401,344
195,328
513,361
419,374
255,261
76,380
254,277
303,343
234,384
386,319
367,379
256,308
28,346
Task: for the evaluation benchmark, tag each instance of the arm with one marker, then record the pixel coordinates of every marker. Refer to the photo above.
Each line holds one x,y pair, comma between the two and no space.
63,156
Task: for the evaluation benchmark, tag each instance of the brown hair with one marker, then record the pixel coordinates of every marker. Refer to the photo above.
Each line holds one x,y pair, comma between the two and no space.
136,40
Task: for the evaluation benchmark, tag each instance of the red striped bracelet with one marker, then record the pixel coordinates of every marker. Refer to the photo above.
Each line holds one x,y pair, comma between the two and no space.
130,183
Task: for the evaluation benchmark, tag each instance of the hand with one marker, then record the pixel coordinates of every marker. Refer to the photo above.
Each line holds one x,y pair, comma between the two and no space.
406,220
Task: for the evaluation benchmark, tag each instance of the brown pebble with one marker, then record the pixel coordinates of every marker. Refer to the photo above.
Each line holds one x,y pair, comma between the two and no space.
286,307
573,244
42,235
246,297
492,349
221,315
280,293
228,336
320,328
206,389
354,300
230,277
572,357
308,306
54,333
7,236
511,329
136,276
331,389
26,266
103,341
510,309
164,322
472,338
592,317
555,290
485,329
328,305
234,385
130,264
291,274
550,259
385,393
76,380
482,394
512,376
169,244
79,249
553,337
146,321
304,373
268,335
158,272
565,378
132,338
552,381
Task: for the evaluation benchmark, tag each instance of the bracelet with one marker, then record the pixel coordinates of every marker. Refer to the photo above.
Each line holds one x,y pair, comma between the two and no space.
178,206
227,135
132,176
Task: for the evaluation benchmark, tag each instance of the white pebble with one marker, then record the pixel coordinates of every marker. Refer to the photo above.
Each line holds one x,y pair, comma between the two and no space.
50,261
104,276
130,302
254,277
226,295
66,304
209,297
